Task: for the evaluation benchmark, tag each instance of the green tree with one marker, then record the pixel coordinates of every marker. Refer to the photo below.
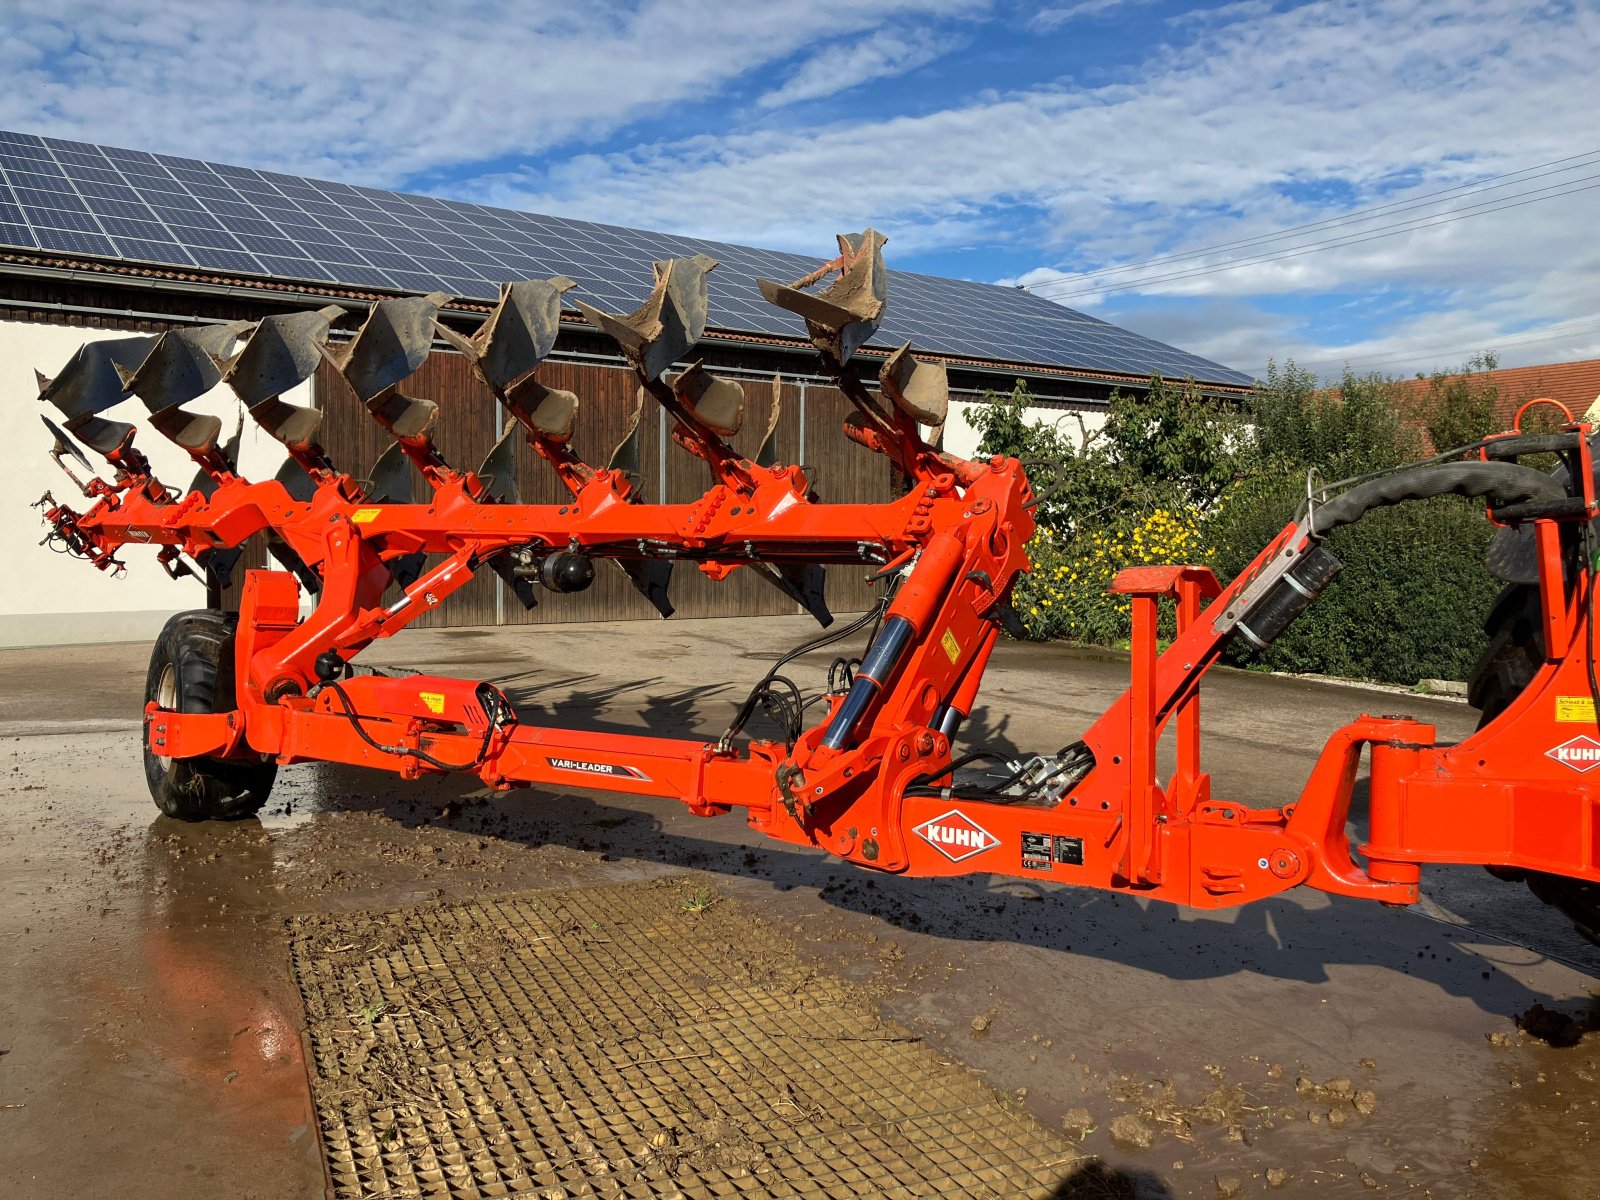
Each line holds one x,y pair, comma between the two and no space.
1135,490
1003,427
1461,406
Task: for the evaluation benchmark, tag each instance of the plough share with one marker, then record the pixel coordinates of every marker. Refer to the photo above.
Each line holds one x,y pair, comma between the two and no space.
878,779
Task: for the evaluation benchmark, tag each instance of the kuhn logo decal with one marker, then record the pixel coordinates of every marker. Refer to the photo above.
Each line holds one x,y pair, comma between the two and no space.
1582,753
956,835
594,768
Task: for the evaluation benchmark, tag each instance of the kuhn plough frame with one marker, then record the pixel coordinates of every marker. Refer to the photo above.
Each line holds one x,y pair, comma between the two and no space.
876,780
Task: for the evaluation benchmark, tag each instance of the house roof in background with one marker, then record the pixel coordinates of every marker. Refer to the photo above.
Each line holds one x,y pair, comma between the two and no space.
205,220
1575,384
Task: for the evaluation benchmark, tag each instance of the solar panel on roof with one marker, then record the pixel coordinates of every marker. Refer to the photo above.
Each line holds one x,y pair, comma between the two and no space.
77,198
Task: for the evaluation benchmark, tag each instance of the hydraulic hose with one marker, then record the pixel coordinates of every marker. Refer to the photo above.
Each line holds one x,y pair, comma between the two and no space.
1522,491
1502,484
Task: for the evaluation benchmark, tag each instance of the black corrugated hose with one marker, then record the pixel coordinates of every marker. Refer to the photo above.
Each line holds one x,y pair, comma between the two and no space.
1501,483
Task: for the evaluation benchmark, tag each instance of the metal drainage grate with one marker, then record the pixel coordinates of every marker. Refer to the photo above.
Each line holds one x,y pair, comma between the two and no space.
644,1040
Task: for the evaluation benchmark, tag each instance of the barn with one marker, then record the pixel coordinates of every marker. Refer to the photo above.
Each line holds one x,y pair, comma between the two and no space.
97,241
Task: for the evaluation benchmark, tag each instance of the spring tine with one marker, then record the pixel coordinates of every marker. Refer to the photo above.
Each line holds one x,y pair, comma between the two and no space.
767,456
804,583
665,326
651,576
846,315
499,469
391,477
921,390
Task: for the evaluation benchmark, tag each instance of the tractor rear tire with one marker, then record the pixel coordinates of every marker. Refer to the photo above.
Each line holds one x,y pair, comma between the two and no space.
1514,656
191,671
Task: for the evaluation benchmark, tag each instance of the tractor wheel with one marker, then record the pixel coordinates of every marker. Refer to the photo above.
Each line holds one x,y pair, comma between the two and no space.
1514,655
191,671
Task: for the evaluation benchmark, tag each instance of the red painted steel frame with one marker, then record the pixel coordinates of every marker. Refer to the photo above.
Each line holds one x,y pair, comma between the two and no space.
1515,794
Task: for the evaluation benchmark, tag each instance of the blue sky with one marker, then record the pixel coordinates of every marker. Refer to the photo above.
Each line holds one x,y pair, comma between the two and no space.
1061,146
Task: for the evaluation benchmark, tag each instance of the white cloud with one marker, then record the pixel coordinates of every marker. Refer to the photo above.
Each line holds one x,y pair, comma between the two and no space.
375,93
1056,16
1203,145
837,68
1230,133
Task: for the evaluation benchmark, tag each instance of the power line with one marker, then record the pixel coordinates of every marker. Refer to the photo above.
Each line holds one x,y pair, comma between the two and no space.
1351,218
1547,333
1500,205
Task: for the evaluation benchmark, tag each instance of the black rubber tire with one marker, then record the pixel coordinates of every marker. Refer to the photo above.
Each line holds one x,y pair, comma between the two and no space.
1514,655
191,671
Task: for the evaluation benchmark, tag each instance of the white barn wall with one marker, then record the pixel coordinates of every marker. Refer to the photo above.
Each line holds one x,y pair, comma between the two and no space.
52,599
961,438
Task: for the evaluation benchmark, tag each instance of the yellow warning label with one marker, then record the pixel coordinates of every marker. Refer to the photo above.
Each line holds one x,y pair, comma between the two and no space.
362,515
951,646
1575,709
434,701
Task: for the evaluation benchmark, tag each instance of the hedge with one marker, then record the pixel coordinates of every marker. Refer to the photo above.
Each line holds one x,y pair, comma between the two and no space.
1175,477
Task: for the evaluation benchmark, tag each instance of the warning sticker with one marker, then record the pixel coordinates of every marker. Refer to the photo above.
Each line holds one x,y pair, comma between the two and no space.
362,516
951,646
1575,709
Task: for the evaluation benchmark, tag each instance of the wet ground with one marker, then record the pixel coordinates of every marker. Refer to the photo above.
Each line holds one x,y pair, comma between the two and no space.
151,1040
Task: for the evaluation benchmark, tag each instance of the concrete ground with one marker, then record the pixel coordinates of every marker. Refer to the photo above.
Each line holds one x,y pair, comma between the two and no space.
150,1037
